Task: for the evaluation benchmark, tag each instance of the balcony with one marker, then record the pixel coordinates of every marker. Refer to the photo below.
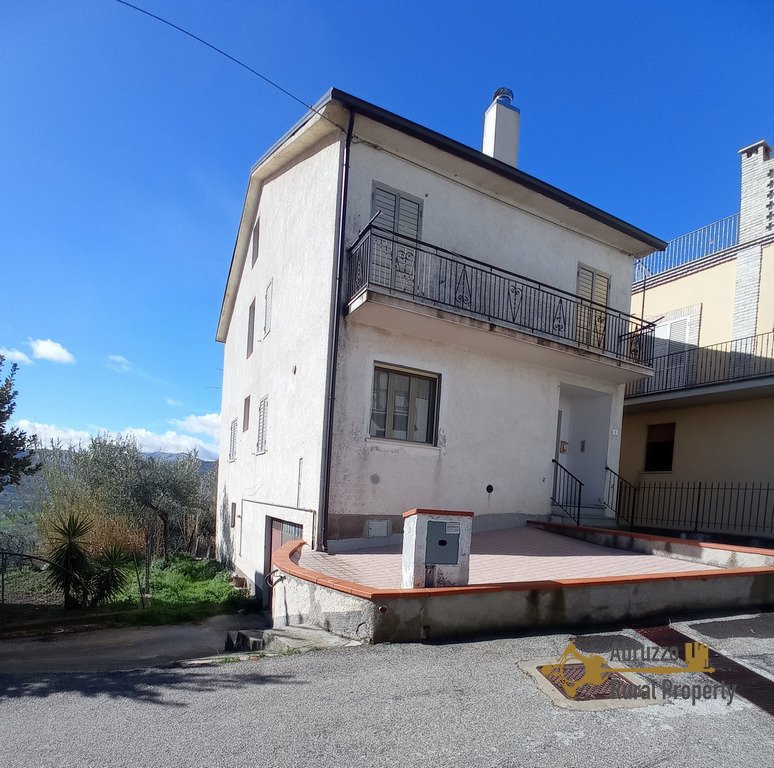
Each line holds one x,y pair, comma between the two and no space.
391,265
702,242
742,361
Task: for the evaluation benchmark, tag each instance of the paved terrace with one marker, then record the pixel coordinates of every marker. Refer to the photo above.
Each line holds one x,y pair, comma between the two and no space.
517,554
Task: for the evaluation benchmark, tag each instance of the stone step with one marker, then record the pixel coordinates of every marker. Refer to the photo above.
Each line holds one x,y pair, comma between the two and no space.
297,638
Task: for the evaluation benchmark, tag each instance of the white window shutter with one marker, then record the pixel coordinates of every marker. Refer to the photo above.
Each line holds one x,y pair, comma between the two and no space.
267,308
263,412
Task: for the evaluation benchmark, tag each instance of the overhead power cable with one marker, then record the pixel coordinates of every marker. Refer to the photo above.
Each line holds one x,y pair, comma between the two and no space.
230,58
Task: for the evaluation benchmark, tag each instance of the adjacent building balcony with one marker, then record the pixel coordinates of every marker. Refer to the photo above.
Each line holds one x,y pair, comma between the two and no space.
709,372
384,264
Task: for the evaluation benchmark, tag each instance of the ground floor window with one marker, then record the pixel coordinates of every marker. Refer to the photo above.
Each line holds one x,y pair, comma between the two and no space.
404,405
660,447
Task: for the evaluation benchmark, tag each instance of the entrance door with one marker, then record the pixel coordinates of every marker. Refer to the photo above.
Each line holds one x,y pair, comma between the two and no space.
280,532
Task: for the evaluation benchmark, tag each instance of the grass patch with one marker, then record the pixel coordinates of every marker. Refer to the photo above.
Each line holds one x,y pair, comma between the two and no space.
184,589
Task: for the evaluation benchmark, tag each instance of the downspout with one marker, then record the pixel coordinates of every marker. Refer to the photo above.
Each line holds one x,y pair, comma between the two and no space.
321,541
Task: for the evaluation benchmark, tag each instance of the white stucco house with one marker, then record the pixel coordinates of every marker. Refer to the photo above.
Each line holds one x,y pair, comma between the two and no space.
410,322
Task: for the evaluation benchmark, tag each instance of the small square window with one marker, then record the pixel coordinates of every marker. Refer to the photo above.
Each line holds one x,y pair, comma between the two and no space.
660,447
403,405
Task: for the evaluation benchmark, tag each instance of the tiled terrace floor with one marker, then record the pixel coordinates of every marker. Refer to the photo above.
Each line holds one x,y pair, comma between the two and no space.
518,554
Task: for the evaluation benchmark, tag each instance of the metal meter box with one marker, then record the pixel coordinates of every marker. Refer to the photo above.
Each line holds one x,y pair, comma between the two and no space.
443,543
436,548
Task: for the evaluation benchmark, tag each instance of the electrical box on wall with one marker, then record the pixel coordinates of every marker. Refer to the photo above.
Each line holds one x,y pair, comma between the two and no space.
436,548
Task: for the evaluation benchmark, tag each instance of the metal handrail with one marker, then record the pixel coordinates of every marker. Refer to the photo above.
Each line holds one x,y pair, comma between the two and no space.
620,497
428,274
566,492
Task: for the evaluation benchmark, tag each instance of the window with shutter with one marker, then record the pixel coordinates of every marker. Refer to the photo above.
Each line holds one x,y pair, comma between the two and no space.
592,286
263,412
250,328
232,441
246,415
267,309
255,242
394,255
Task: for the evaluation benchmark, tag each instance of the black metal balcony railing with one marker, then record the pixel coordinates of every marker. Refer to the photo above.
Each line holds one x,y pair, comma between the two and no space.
738,360
389,263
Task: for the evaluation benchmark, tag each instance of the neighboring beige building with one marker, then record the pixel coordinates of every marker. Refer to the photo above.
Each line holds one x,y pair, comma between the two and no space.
410,322
707,414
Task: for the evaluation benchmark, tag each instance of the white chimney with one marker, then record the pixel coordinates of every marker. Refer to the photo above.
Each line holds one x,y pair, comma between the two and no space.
501,128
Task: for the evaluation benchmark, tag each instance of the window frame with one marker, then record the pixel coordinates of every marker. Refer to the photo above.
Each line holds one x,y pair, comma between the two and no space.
233,514
413,373
649,457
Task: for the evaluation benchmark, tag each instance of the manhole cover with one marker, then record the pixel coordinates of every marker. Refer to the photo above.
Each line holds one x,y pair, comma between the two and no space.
565,677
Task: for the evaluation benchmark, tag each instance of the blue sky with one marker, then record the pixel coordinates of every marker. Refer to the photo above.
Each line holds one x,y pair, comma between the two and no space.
126,148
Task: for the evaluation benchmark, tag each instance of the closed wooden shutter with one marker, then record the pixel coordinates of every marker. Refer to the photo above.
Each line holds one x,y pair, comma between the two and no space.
409,216
386,203
601,289
585,283
398,213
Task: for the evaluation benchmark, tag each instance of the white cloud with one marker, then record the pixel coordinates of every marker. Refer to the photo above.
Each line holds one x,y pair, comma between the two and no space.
15,356
166,442
172,442
174,403
48,432
119,363
208,424
45,349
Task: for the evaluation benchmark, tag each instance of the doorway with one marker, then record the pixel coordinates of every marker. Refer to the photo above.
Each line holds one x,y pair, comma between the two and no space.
279,532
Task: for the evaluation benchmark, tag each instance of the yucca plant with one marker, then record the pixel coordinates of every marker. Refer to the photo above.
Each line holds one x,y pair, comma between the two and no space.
71,569
109,576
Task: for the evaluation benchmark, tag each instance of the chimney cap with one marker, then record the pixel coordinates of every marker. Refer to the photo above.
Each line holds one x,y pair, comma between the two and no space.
503,95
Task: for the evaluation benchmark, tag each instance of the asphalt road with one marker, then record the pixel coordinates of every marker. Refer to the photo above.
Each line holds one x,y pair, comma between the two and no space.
456,704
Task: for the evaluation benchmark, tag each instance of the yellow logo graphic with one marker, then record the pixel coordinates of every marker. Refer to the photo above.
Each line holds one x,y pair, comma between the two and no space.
597,671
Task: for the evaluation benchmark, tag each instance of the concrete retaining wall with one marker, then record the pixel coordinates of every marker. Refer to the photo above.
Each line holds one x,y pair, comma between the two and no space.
408,615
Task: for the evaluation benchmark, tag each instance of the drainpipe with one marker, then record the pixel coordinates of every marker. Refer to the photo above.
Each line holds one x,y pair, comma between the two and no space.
321,541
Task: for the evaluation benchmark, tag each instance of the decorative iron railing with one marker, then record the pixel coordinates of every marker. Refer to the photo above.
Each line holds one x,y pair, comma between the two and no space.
426,274
737,360
708,239
566,492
